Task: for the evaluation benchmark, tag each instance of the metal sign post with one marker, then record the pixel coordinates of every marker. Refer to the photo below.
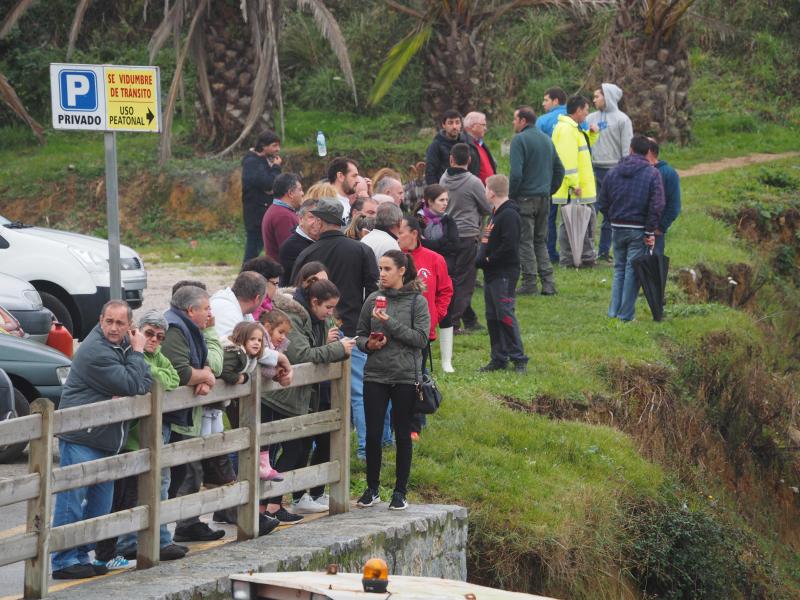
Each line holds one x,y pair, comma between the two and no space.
112,209
107,98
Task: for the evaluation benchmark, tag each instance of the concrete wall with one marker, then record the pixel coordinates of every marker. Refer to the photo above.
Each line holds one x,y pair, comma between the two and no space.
427,540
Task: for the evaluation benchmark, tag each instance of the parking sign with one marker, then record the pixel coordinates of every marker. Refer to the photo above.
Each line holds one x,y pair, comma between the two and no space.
77,97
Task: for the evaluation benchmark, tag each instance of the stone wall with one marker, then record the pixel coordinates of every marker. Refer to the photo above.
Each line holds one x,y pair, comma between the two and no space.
424,540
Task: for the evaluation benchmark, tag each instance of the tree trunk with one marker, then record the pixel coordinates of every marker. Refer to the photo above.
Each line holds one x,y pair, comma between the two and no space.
231,69
653,72
457,75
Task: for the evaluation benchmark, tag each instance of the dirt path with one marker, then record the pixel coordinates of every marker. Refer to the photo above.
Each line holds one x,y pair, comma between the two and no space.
732,163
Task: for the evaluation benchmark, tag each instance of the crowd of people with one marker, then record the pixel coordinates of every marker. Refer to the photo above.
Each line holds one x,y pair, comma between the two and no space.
373,271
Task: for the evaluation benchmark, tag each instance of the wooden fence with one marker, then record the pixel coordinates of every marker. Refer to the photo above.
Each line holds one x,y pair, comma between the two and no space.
43,480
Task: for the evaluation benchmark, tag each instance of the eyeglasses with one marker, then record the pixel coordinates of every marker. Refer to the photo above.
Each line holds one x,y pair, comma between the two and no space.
149,333
274,282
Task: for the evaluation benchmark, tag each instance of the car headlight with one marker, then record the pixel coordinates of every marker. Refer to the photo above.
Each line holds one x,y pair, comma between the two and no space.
94,263
63,373
34,298
130,264
242,590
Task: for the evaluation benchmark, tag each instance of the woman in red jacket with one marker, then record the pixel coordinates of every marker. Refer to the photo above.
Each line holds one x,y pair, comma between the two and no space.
432,271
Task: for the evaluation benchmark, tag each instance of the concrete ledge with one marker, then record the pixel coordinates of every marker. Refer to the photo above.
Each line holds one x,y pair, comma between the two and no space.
426,540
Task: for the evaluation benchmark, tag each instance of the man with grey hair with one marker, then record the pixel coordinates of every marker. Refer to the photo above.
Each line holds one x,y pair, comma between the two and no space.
116,552
108,363
475,125
306,233
391,187
387,224
383,199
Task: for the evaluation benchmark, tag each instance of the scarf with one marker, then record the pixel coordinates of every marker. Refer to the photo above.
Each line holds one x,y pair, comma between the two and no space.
434,228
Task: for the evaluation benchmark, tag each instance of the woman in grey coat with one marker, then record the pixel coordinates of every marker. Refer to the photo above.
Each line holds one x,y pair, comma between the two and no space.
393,330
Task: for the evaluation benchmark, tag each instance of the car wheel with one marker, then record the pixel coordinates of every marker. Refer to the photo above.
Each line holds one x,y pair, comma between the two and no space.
21,409
60,311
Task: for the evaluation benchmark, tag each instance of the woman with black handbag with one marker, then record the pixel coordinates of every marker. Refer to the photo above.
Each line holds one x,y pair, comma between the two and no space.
392,330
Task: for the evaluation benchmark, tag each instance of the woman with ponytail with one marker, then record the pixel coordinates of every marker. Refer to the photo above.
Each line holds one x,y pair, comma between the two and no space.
392,330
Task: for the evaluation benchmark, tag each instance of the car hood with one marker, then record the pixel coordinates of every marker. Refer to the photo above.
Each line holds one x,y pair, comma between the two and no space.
12,293
87,242
14,349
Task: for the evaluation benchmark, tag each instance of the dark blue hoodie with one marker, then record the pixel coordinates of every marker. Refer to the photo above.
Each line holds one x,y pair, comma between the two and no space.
632,194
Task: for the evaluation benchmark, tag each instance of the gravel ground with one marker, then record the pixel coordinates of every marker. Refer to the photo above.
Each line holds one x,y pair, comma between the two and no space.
161,278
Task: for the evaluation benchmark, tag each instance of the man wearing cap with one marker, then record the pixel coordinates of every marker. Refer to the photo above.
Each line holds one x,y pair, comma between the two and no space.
352,267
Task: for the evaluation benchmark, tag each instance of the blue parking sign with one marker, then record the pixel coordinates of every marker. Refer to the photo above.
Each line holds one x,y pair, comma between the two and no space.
78,89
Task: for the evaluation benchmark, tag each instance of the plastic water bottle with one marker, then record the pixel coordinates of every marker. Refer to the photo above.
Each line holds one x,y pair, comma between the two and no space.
322,147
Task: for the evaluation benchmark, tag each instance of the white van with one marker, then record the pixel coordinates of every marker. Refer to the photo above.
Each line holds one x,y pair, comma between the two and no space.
69,270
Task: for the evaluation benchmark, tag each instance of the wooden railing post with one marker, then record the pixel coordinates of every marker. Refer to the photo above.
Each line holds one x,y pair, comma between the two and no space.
149,482
340,442
250,417
40,460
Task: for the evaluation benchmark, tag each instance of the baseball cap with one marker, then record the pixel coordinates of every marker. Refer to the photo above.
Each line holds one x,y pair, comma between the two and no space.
329,210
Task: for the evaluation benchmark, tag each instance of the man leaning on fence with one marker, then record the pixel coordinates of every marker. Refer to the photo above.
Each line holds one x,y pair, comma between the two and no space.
109,363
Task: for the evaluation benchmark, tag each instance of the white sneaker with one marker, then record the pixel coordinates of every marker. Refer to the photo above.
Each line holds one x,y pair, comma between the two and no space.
324,500
306,505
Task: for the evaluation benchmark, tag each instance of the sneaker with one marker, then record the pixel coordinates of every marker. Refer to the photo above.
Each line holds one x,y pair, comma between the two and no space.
284,516
228,516
76,571
606,258
172,552
414,436
492,366
197,532
118,562
368,498
398,502
548,289
266,524
324,499
521,367
307,506
99,567
476,326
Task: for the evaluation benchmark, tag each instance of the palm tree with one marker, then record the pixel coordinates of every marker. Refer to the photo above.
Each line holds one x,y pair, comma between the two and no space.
234,46
452,36
646,55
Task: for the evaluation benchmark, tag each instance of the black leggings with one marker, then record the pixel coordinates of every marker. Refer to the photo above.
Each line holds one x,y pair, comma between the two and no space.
376,399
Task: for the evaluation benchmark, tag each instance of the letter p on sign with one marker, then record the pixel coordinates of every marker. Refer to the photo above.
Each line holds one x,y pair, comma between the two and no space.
78,90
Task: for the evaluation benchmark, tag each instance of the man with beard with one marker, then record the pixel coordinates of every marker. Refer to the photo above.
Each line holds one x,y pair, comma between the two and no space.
437,158
343,175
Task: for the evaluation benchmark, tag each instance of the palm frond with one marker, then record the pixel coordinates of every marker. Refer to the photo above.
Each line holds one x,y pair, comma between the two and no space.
165,148
492,14
172,17
397,60
14,15
405,9
77,21
10,98
329,28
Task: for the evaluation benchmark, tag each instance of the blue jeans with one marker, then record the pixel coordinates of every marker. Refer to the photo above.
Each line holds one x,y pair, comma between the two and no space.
127,542
552,234
605,228
628,245
357,361
70,507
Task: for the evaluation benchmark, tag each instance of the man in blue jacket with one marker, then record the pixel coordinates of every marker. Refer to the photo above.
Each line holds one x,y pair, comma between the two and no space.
632,196
554,105
109,363
672,195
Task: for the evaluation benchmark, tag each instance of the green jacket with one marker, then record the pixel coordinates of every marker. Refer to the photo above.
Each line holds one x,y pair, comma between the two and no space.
305,345
215,358
162,371
235,362
535,168
400,360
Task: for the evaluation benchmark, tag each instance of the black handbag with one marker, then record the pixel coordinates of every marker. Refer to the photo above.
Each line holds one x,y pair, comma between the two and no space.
429,397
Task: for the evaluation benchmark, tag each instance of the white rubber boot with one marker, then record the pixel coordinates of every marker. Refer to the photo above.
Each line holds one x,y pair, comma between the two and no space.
446,345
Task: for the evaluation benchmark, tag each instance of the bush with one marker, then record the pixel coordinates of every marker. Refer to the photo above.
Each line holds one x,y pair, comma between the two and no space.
683,554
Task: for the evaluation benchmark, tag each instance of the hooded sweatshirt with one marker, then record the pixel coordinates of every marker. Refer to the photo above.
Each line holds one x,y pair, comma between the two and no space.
400,360
467,201
616,130
437,157
632,195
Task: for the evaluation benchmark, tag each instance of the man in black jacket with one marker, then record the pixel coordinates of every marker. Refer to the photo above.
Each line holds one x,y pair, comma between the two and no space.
109,363
260,166
305,234
437,158
499,258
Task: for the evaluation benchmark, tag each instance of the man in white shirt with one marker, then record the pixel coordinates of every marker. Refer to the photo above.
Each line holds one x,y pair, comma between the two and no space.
387,224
